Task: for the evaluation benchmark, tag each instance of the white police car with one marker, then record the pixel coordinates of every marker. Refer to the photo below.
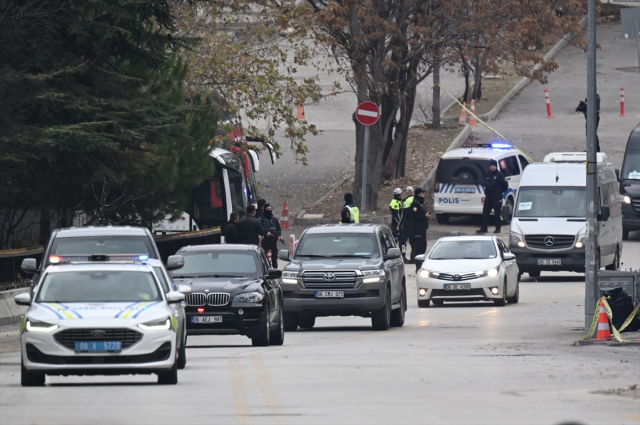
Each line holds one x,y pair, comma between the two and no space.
99,318
459,189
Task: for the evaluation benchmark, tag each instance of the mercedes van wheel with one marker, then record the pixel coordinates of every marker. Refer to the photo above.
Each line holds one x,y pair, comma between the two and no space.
534,274
507,211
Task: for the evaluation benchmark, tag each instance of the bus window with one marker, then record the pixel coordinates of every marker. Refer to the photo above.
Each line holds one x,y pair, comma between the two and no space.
238,192
208,198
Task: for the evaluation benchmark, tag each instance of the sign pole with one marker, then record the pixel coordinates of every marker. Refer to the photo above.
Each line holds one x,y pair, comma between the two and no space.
365,157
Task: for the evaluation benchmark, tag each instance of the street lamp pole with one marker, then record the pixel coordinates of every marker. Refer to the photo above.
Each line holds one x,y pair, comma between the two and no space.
593,203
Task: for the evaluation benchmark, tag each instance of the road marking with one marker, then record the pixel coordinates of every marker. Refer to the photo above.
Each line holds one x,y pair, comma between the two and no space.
239,395
276,412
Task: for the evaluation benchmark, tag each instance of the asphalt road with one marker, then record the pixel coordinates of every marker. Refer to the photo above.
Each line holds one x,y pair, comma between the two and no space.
458,364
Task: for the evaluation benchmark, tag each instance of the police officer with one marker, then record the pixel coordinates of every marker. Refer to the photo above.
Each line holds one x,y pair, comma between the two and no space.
272,228
231,229
396,212
405,225
350,213
494,187
419,225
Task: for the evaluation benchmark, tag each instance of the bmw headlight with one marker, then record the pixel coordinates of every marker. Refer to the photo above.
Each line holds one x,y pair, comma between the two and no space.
289,277
156,325
249,297
372,276
33,326
490,273
516,239
428,273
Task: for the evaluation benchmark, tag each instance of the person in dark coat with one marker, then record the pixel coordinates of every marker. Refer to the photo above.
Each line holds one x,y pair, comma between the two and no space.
494,187
582,107
271,225
260,209
231,229
404,227
250,229
419,225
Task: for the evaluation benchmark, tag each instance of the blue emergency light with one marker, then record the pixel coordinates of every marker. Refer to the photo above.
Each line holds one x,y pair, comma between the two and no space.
501,145
143,257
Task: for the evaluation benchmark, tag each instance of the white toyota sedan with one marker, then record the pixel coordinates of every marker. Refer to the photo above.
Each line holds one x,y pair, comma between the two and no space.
468,268
99,319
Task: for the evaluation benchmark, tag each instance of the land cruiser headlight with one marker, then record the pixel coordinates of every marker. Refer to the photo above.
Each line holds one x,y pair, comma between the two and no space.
156,325
516,239
289,277
33,326
428,273
626,199
249,297
490,273
372,276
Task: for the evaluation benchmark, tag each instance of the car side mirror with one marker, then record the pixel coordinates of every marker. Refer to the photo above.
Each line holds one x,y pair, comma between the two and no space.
420,257
283,254
175,297
617,174
275,273
29,265
604,214
175,262
393,253
509,256
184,289
23,299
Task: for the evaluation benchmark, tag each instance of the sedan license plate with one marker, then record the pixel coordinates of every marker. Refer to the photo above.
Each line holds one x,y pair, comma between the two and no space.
550,262
98,346
457,286
464,190
329,294
206,319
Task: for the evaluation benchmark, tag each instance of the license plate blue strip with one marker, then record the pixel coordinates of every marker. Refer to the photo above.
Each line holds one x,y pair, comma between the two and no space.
465,190
98,346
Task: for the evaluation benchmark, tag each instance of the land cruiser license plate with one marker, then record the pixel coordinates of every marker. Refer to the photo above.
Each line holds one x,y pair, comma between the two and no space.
550,262
464,190
98,346
206,319
457,286
329,294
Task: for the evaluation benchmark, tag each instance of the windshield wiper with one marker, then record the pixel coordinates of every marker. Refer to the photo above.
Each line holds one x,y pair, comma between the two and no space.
349,256
314,255
217,275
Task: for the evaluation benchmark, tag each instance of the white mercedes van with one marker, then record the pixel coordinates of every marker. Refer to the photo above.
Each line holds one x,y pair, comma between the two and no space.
549,228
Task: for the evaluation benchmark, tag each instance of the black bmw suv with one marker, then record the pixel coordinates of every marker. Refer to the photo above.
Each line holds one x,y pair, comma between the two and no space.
233,291
344,270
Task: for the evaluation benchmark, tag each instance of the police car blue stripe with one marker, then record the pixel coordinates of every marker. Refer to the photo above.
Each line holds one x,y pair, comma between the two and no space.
453,186
54,311
143,309
125,309
77,314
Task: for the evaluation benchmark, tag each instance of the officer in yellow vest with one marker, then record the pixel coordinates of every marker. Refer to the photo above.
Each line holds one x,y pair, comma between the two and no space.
405,224
396,208
350,213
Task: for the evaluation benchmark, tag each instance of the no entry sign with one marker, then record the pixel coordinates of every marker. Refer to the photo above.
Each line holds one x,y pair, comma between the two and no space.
367,113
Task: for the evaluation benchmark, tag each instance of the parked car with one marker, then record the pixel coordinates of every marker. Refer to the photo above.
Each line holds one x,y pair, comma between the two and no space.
630,185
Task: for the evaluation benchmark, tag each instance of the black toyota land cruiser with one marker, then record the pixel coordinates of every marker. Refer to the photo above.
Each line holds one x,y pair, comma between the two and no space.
344,270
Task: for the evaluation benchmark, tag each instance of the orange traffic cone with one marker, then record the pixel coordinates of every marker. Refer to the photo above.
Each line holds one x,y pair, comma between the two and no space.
472,118
604,334
300,114
269,256
284,219
463,115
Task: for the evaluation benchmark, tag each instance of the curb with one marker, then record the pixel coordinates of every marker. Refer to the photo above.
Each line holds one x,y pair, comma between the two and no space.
581,343
493,113
10,312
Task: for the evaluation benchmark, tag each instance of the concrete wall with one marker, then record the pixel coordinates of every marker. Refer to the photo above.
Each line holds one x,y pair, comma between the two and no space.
10,312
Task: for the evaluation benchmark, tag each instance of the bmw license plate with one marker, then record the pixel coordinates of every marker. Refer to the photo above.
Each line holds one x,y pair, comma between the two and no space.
329,294
457,286
549,261
206,319
464,190
98,346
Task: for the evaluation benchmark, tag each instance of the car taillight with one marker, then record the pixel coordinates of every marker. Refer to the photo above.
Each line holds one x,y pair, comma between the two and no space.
436,186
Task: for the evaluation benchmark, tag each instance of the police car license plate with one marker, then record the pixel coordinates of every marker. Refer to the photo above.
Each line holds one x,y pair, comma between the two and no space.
457,286
464,190
329,294
550,262
98,346
206,319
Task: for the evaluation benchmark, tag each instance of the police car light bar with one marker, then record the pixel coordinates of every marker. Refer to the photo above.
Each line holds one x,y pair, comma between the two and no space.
494,145
501,145
57,259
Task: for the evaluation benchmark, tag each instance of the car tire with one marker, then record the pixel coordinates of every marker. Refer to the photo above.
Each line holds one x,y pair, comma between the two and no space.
381,319
442,218
502,301
30,379
437,303
290,322
534,274
507,211
424,303
262,339
616,262
516,296
397,315
277,336
170,377
306,322
182,354
625,234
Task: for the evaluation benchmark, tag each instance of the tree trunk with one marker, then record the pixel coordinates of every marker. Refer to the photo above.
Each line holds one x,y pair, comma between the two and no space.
435,103
45,225
477,85
465,72
400,135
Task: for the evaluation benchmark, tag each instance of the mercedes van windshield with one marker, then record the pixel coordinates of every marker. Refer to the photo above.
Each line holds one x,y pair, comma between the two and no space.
631,166
544,201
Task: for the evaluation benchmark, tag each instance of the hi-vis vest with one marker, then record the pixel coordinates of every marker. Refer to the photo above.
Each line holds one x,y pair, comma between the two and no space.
407,202
354,212
396,204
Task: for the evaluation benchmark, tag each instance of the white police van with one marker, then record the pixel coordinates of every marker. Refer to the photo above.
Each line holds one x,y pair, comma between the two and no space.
459,189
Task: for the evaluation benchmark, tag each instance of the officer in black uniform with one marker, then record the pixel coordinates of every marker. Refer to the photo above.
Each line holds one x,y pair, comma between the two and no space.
404,228
419,225
494,187
273,231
